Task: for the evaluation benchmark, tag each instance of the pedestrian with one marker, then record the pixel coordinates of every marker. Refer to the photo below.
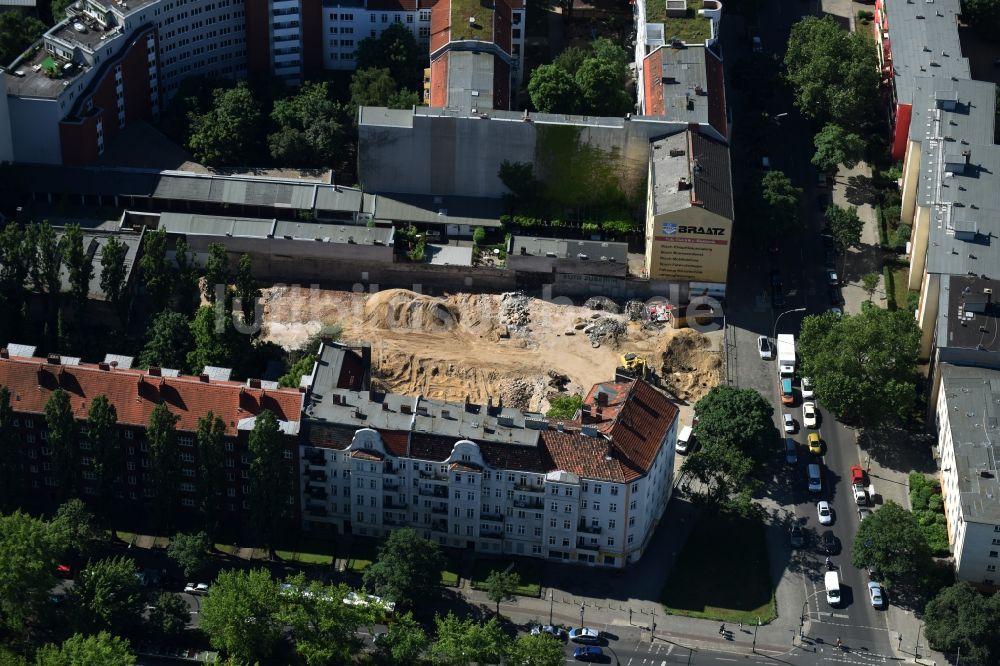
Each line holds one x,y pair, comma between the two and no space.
741,624
722,629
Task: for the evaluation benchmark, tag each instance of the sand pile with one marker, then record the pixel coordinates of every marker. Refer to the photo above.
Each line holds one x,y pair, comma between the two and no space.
403,309
691,365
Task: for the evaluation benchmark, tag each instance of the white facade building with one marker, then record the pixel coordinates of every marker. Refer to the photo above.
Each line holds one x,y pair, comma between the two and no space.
967,414
495,479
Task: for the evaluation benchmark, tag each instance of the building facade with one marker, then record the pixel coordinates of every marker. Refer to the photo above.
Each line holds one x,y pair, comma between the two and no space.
492,478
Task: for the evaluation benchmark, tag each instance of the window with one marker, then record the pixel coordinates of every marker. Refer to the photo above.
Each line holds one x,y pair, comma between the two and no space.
128,434
632,505
611,541
565,524
613,507
614,490
552,541
569,492
991,567
228,446
993,553
552,522
996,542
565,542
583,504
630,539
596,506
611,524
597,489
631,520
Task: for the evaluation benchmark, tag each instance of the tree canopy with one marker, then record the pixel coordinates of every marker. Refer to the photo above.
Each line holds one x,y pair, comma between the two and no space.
168,341
396,49
311,128
78,264
404,642
29,551
224,135
323,629
983,15
190,551
864,365
271,480
156,273
80,650
891,541
538,650
845,225
461,642
553,90
501,586
18,31
833,72
835,146
960,618
735,434
106,596
239,614
113,274
408,568
782,201
170,615
590,81
376,87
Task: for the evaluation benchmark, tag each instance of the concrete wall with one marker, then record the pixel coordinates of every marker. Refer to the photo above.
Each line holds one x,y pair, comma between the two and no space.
34,126
530,263
911,178
462,156
918,246
927,313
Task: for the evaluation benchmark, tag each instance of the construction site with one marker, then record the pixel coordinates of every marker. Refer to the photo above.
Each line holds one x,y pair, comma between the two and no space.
519,349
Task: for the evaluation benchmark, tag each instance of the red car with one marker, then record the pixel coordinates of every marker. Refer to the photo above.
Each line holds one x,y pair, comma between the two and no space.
857,475
64,571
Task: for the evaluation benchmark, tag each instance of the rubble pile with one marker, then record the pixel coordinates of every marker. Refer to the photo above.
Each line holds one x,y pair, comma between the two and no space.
514,309
605,329
636,311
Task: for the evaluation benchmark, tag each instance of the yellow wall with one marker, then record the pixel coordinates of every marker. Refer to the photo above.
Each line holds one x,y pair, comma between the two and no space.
911,176
688,245
918,246
927,313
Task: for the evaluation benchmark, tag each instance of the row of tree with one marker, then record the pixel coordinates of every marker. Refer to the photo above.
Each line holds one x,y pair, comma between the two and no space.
589,81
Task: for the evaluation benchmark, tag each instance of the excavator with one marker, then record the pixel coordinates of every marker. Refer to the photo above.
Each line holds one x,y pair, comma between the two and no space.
632,365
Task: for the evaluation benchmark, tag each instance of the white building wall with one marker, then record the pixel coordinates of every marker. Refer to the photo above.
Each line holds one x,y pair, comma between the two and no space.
345,26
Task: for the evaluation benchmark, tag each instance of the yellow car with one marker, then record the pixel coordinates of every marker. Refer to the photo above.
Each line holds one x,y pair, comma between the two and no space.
815,443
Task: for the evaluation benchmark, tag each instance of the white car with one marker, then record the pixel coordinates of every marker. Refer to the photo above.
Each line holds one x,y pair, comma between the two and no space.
809,414
876,596
585,635
837,311
807,388
555,632
831,278
825,513
764,347
789,422
196,588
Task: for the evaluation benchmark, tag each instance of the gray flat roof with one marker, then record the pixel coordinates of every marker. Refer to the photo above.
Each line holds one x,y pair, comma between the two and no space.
93,242
248,227
713,180
381,116
973,397
430,209
682,73
570,249
235,190
25,77
962,110
448,255
924,42
335,233
670,167
968,315
470,81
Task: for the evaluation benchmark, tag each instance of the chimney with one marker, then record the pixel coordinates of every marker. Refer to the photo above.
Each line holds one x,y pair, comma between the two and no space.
602,398
154,371
254,383
683,184
104,366
5,353
406,409
54,359
967,154
203,378
598,412
385,407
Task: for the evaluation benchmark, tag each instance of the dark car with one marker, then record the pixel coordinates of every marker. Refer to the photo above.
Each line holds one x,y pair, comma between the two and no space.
829,543
589,653
828,256
834,294
827,240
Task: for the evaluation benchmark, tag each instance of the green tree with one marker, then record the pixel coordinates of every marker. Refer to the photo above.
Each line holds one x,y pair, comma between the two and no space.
891,541
834,73
571,58
553,90
311,127
864,365
102,433
372,87
607,50
461,642
845,225
396,49
18,31
983,15
156,274
170,615
225,134
294,375
869,282
408,568
185,289
168,341
8,451
101,649
210,437
271,482
962,619
58,9
502,586
602,87
519,178
164,459
216,272
61,436
323,629
404,642
246,289
106,596
736,436
540,650
29,551
240,614
835,146
782,201
113,273
404,99
14,256
564,406
216,340
78,264
75,527
190,551
44,261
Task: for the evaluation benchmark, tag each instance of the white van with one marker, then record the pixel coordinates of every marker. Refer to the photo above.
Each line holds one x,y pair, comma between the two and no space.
685,439
815,478
831,581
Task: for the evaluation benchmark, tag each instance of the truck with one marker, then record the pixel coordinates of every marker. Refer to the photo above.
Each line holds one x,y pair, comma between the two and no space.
786,354
858,486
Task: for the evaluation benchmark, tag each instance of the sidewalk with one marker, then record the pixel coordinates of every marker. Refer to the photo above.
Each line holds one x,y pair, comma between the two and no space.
856,262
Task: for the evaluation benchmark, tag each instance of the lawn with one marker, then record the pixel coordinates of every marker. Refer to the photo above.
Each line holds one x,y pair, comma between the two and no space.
304,558
900,276
531,585
462,11
363,553
691,29
722,579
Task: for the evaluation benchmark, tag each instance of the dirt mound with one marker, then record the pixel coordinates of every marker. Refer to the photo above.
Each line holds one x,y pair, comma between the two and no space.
404,309
691,365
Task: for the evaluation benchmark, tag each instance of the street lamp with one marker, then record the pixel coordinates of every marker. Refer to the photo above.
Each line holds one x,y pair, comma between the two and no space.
551,603
582,607
916,648
774,332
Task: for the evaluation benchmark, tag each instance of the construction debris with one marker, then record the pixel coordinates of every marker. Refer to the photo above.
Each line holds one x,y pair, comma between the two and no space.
514,309
636,311
606,329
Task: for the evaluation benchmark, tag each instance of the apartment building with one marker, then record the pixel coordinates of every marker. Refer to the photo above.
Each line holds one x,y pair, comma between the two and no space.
134,393
966,418
493,478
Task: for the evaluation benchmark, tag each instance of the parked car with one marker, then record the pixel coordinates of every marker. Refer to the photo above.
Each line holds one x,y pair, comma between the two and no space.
589,653
809,414
831,277
825,513
875,595
815,444
807,388
586,635
829,543
764,347
791,451
864,512
795,535
64,571
789,422
757,46
556,632
837,311
196,588
834,294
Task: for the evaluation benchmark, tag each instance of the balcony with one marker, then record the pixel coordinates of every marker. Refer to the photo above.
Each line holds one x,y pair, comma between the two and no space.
393,502
316,477
488,534
530,504
439,525
589,529
433,476
439,509
314,456
390,520
583,545
436,491
529,488
390,484
316,493
494,517
316,509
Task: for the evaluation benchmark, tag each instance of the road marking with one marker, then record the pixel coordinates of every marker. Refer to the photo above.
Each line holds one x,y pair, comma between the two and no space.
841,615
724,659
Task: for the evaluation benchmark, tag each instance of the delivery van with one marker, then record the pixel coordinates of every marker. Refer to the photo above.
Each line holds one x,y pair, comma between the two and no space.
685,440
831,581
815,478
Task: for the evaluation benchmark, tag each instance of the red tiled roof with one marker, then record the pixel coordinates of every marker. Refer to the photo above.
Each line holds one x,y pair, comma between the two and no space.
134,393
716,80
396,442
653,83
363,454
439,82
465,467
